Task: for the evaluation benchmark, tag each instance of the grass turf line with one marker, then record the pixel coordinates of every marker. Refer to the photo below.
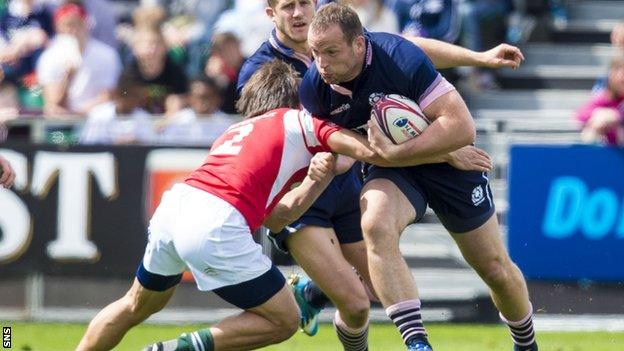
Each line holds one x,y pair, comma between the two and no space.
444,337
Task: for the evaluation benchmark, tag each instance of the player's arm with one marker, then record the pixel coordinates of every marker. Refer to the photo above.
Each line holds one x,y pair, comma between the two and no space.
347,142
445,55
452,127
467,158
352,144
298,200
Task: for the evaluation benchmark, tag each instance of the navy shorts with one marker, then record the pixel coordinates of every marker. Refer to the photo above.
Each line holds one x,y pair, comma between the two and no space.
462,200
244,295
338,207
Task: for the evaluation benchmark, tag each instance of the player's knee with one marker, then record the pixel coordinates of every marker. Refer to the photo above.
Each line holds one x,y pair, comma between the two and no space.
285,325
139,311
355,312
377,231
497,272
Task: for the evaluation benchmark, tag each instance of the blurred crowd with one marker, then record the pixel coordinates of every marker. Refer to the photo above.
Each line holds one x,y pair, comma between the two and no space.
179,59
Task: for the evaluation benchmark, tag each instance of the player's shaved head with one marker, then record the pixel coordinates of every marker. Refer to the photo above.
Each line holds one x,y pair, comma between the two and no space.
341,15
274,85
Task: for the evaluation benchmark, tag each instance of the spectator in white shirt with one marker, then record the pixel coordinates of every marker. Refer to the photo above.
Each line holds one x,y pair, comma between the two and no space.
76,71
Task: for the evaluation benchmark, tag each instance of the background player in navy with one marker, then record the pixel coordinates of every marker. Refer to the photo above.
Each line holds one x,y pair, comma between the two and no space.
351,69
335,217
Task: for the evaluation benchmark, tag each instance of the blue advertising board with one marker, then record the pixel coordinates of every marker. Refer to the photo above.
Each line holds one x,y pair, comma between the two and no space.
566,212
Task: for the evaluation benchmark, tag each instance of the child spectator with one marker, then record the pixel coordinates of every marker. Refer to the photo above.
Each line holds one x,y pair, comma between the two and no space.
165,80
603,116
617,36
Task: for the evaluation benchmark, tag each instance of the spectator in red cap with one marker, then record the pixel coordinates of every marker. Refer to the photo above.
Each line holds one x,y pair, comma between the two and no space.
76,71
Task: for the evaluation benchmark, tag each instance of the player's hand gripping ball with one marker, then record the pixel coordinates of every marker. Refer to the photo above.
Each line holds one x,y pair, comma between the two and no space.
399,118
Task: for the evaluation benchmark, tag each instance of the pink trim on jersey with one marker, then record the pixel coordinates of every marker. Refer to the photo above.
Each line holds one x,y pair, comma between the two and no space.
439,87
341,90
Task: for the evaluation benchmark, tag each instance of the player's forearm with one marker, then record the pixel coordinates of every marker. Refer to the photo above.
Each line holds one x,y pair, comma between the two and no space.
295,203
445,55
441,137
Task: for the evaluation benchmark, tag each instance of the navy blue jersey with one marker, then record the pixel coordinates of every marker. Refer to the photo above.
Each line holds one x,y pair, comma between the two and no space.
270,50
392,65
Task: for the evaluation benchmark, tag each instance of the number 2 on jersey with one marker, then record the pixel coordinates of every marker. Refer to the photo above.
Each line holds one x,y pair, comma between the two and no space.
231,146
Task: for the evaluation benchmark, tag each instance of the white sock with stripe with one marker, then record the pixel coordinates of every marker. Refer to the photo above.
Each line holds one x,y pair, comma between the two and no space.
406,317
352,339
522,331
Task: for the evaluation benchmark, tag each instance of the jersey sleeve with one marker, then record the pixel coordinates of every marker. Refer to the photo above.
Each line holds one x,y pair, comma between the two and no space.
427,84
316,132
309,91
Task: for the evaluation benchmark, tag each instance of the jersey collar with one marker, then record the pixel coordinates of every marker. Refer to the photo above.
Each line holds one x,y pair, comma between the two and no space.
286,51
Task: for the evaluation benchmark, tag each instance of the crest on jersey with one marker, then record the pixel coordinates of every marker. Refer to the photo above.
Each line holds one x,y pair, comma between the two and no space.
374,98
477,195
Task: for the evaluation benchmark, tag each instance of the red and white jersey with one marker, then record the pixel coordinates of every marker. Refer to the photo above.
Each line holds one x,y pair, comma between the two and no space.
255,162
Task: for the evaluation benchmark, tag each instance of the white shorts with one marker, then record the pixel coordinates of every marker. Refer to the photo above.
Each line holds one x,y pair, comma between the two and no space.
195,229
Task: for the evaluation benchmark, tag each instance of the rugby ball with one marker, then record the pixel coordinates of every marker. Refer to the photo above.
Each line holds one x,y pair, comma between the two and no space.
400,118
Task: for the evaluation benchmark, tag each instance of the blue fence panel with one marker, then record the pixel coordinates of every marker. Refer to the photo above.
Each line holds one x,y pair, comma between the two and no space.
566,212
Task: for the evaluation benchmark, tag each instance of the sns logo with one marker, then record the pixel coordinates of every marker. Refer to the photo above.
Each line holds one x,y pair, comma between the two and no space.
572,206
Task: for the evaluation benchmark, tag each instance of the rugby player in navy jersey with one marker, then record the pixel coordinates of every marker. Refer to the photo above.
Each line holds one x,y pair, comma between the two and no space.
335,217
352,68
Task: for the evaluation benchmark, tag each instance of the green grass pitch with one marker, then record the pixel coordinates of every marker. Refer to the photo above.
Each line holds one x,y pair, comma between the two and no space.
445,337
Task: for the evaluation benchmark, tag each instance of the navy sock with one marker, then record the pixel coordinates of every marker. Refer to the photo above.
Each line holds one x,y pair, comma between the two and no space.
315,297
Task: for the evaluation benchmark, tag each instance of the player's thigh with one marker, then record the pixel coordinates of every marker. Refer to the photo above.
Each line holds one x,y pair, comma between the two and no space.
483,247
280,309
317,251
385,210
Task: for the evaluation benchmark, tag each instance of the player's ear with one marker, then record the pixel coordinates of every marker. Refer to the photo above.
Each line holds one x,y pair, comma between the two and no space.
359,43
269,12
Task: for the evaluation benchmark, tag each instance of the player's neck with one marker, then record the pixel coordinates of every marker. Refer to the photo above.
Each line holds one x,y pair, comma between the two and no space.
301,48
